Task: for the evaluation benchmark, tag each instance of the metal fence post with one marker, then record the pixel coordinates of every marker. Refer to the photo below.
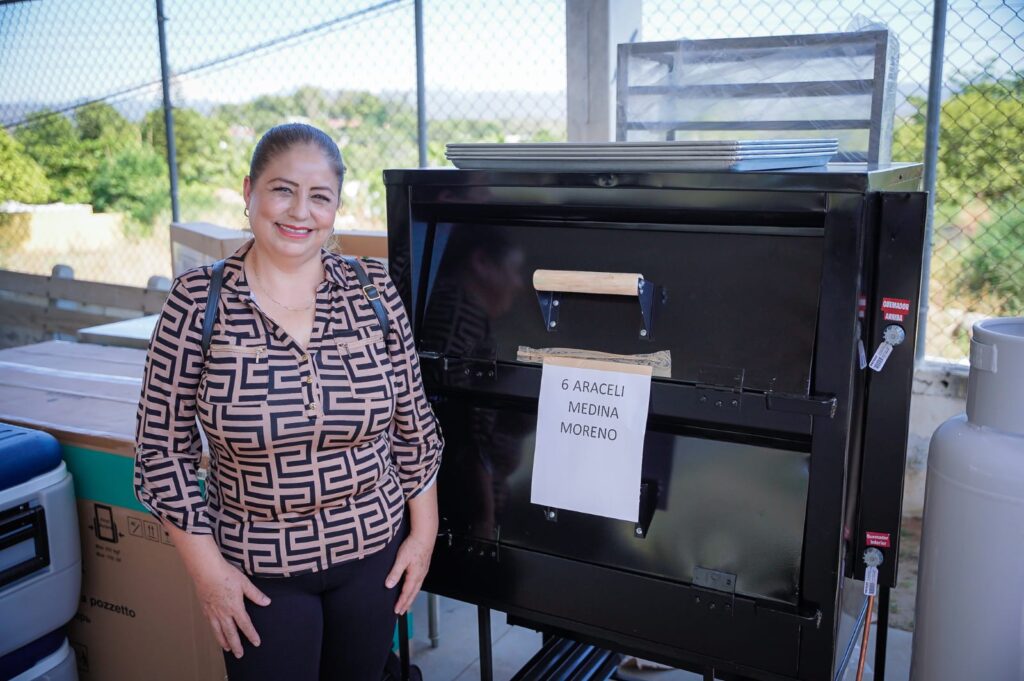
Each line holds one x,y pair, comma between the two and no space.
165,81
421,93
931,162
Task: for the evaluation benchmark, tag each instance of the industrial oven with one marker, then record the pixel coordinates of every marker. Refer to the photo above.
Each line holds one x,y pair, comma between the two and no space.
773,454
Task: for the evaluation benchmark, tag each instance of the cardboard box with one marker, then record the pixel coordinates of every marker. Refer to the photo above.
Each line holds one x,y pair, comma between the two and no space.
138,617
200,243
363,244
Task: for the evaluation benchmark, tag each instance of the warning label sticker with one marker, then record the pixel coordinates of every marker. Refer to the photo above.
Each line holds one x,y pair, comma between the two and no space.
879,539
895,309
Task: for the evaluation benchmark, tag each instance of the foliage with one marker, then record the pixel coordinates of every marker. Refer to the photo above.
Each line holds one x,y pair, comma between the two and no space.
15,231
979,193
53,142
103,131
91,156
201,146
21,178
133,182
993,272
981,140
107,138
908,133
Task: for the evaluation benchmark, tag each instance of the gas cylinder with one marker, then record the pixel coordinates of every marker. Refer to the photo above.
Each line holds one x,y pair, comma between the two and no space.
970,591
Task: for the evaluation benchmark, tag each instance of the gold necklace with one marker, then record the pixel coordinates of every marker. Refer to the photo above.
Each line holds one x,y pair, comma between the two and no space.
259,284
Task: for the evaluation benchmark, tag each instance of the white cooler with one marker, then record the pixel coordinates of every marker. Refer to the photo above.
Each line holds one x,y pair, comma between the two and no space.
40,558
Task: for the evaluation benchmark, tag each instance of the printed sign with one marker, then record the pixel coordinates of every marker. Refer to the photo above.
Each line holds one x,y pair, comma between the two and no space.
591,421
895,309
879,539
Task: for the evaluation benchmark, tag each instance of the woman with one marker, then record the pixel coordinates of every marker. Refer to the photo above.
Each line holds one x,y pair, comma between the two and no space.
319,434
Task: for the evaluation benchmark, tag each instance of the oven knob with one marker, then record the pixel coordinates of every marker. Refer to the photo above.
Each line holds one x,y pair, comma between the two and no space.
894,334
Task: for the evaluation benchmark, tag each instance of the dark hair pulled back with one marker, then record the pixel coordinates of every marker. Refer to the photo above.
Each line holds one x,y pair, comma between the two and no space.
283,137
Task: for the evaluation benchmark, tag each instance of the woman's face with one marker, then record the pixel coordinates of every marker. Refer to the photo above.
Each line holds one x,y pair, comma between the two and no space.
293,202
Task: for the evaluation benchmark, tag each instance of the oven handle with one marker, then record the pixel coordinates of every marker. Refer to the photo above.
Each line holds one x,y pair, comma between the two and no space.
576,281
549,283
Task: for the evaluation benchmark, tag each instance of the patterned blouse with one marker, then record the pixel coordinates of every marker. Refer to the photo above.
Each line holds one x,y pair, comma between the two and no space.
313,453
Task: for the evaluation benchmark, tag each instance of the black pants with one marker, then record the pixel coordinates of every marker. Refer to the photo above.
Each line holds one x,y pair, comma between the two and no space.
335,625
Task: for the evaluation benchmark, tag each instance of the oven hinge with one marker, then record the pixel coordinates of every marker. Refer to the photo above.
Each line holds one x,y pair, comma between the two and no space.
458,369
720,388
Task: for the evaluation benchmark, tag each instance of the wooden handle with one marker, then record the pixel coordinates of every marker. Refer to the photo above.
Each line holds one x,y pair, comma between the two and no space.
660,362
574,281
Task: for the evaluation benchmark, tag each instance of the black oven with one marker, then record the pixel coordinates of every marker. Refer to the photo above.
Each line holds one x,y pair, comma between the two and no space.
771,451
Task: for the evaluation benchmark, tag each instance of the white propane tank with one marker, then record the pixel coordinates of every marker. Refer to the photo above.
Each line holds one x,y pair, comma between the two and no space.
970,591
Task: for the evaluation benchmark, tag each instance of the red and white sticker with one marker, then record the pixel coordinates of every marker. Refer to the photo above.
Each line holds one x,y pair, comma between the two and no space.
895,309
862,306
880,539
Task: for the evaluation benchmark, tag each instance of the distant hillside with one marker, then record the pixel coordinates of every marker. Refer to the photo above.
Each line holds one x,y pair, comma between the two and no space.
441,104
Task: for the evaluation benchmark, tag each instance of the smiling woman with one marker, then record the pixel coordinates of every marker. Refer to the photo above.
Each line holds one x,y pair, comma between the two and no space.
319,432
291,197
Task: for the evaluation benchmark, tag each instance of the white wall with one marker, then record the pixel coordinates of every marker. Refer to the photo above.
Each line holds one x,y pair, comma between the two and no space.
593,31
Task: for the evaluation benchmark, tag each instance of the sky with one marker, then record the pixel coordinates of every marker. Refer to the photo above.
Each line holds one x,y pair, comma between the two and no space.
59,52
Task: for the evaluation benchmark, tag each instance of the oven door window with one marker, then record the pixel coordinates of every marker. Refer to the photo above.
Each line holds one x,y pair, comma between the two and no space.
737,300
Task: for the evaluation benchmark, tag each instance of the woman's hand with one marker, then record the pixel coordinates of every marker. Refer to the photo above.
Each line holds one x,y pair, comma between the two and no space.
413,560
413,557
221,588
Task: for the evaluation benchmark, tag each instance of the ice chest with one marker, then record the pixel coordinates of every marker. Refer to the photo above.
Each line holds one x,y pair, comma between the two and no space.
137,616
40,557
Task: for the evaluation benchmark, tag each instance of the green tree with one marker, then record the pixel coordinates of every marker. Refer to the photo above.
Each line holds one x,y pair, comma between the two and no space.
908,133
103,131
201,144
259,114
53,142
981,141
993,271
134,182
21,178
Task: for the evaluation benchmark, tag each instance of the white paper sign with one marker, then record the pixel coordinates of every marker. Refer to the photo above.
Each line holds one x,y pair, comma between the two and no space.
591,422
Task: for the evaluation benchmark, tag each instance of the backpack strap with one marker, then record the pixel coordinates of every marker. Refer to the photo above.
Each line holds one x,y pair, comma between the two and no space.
370,291
210,317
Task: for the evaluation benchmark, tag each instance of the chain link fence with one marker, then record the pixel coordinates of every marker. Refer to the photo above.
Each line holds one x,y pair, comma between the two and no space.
977,266
73,106
83,123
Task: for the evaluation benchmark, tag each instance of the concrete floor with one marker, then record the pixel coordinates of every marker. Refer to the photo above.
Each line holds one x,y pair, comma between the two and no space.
457,655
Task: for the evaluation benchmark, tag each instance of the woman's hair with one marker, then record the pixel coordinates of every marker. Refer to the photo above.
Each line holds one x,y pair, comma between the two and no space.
283,137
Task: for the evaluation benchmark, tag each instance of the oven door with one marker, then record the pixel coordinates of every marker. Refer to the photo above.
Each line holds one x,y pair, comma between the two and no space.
734,310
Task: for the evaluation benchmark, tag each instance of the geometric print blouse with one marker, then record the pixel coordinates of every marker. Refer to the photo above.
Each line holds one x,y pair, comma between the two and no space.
312,452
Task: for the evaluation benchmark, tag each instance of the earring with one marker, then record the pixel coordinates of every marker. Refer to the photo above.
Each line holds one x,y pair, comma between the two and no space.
246,211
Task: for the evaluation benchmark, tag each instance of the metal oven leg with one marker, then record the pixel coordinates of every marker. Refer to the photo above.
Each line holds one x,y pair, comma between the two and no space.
882,632
403,645
433,616
484,628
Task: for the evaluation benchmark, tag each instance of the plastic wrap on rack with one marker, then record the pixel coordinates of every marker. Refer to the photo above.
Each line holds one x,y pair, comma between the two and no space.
837,85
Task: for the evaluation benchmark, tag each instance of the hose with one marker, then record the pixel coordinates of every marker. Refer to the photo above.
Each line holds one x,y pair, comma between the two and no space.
864,640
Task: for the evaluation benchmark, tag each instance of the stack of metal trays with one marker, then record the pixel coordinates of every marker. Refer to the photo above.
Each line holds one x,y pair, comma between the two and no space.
762,154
